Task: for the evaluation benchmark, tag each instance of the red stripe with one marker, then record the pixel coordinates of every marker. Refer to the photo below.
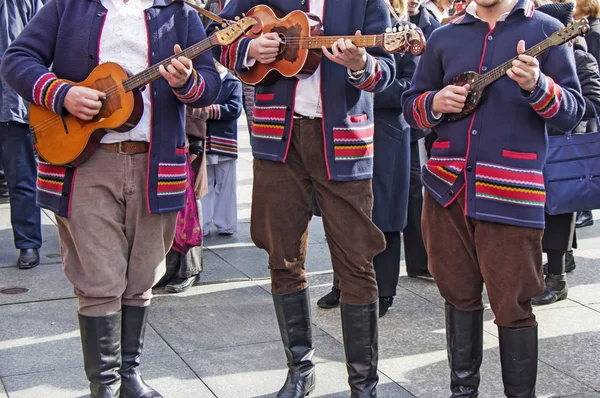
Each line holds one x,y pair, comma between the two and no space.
55,187
172,187
445,163
353,134
166,170
519,155
441,144
50,169
262,113
265,97
38,88
274,131
223,140
510,194
483,171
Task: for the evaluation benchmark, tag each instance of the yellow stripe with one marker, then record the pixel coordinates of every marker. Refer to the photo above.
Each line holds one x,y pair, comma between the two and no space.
524,190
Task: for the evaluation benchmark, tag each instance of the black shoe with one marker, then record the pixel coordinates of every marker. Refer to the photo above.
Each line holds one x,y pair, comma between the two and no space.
419,274
178,285
29,258
359,327
556,289
101,346
132,343
519,359
384,305
464,339
584,219
293,318
569,263
330,300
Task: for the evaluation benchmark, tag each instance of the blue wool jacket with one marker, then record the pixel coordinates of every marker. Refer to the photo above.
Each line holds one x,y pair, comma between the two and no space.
347,105
221,126
65,34
497,153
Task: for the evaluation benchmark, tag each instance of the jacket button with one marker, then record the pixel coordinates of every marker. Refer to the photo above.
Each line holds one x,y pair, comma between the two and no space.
484,68
469,168
92,56
474,132
451,193
490,38
65,194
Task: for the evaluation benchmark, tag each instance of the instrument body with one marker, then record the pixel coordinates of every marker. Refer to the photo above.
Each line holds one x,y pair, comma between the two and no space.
66,140
479,82
69,140
302,37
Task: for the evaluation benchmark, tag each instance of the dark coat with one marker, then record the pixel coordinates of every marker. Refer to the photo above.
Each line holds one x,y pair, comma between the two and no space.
593,38
222,119
391,165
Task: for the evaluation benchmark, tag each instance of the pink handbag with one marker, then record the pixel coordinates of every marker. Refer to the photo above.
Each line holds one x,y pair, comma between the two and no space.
188,232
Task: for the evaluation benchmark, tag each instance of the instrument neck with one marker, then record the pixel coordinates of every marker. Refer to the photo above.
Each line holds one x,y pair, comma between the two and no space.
316,42
499,71
149,75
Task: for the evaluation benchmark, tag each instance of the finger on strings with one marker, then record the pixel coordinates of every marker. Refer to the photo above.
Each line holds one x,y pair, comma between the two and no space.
88,103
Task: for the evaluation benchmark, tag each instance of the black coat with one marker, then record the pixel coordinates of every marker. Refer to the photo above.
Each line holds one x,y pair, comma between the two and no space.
593,38
391,173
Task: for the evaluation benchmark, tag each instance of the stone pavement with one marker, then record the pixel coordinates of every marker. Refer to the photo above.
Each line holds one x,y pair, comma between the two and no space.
220,338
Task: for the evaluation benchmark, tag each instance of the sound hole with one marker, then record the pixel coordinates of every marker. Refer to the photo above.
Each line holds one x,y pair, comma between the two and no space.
288,51
111,104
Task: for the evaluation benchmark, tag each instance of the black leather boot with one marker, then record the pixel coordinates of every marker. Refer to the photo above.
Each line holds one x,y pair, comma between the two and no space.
359,326
556,289
519,359
464,339
330,300
101,346
293,318
134,327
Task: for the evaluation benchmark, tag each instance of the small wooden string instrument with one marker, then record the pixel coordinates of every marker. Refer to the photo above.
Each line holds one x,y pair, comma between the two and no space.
478,83
71,141
301,42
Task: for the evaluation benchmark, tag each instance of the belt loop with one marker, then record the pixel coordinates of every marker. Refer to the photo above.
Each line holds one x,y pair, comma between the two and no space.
120,148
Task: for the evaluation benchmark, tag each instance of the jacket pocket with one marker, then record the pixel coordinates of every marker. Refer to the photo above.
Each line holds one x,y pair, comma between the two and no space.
51,178
509,184
353,142
446,170
268,122
519,155
172,176
265,97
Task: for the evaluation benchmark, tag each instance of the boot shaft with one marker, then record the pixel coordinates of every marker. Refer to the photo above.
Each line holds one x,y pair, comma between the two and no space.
519,359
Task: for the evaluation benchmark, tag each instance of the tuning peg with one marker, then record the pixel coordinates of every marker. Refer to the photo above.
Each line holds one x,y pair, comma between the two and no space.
237,18
388,30
243,14
217,28
394,30
224,25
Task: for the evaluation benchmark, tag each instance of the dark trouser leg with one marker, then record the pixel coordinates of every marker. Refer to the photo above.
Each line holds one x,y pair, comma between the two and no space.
519,359
132,343
19,166
414,249
101,346
281,210
387,265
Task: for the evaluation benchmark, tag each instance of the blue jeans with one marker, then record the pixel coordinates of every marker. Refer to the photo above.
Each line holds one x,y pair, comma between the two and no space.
18,161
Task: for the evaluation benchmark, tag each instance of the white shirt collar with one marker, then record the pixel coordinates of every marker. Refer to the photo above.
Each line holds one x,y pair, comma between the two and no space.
472,10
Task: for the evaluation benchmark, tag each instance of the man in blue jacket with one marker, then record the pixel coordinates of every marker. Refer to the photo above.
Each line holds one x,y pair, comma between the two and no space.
116,213
317,131
483,214
16,148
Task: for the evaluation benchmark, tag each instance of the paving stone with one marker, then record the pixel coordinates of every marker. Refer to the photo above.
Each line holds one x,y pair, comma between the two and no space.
45,282
216,269
583,282
221,315
259,370
2,390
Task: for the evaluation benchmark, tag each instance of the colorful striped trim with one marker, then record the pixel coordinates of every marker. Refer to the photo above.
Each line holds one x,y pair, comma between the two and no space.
529,8
50,179
47,90
269,122
171,178
421,113
446,170
507,184
193,90
353,143
373,76
549,103
226,146
229,55
214,112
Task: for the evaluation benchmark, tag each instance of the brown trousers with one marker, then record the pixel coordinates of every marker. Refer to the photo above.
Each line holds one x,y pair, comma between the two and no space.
465,253
113,250
282,208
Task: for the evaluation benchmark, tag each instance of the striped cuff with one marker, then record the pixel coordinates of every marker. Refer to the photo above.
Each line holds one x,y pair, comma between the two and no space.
234,56
368,81
49,92
214,112
422,111
545,99
193,90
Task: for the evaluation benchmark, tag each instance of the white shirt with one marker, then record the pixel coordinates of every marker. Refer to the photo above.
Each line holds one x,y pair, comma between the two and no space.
308,91
472,10
124,40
